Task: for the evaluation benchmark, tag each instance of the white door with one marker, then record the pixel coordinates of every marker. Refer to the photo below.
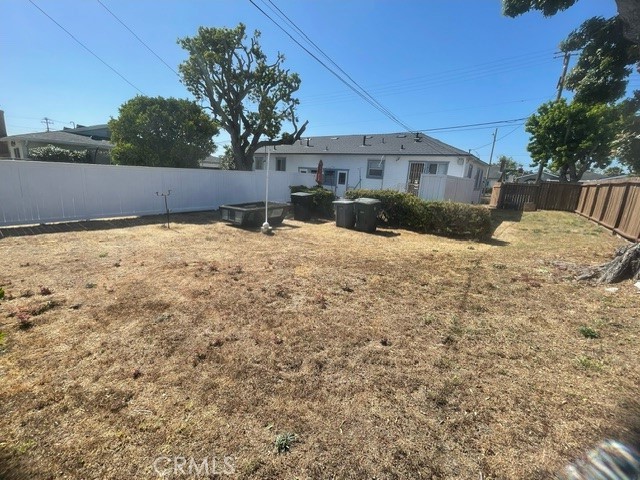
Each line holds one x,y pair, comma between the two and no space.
341,182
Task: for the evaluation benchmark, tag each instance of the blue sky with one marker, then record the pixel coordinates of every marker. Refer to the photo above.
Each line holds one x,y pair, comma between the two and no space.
433,63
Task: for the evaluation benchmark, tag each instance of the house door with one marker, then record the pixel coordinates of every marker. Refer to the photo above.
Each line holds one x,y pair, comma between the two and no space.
341,182
336,180
416,169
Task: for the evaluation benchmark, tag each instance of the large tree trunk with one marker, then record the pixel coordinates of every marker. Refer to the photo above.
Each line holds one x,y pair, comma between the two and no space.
625,265
629,12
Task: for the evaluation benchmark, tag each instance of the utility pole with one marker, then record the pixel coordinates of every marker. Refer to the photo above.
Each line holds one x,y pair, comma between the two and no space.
565,66
560,87
493,145
47,121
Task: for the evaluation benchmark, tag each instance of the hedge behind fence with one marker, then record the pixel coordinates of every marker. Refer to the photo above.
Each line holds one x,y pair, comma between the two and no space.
403,210
322,199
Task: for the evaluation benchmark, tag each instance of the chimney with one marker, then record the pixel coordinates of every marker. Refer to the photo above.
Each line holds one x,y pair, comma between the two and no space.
4,146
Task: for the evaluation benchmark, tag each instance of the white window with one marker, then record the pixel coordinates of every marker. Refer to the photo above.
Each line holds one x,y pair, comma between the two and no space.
281,164
259,160
437,168
307,170
16,152
375,168
470,171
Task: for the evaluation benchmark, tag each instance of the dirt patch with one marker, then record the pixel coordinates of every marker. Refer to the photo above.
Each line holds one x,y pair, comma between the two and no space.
358,356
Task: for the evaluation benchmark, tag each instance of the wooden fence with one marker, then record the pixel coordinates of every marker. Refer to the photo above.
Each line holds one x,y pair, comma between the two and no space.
614,204
546,196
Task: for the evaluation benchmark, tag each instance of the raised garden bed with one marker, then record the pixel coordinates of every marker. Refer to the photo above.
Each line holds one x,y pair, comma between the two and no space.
252,214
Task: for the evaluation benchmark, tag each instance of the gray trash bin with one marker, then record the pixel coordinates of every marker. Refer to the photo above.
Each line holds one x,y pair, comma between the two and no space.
345,213
366,211
302,205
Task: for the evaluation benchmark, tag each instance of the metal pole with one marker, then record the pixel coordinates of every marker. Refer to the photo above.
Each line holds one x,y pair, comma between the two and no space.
563,76
493,145
266,228
166,204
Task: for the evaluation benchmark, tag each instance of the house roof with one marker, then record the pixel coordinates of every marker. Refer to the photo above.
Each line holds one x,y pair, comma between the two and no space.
592,176
60,138
374,144
97,132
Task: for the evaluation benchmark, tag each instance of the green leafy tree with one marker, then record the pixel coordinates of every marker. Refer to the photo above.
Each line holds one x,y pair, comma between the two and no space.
628,12
161,132
51,153
248,96
626,147
506,163
608,47
571,138
602,70
226,161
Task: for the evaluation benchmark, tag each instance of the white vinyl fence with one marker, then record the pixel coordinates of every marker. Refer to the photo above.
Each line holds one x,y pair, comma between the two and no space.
40,192
446,187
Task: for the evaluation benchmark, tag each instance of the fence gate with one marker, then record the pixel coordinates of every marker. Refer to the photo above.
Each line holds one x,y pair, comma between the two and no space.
416,169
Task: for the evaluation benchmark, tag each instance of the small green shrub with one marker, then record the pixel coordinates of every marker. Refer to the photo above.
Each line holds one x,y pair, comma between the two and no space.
588,363
284,441
1,293
403,210
322,199
588,332
51,153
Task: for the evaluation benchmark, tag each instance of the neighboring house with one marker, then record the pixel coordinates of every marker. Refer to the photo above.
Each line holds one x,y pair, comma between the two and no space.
4,146
531,178
550,177
20,145
382,161
495,175
588,176
211,161
97,132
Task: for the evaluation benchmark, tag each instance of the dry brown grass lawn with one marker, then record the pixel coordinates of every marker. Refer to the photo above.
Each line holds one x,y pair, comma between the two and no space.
395,355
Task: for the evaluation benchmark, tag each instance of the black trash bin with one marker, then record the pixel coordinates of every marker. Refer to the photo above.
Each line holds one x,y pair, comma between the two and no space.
345,213
302,205
366,212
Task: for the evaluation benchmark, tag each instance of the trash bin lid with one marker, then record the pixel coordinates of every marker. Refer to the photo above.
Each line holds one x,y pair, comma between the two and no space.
368,201
343,202
301,194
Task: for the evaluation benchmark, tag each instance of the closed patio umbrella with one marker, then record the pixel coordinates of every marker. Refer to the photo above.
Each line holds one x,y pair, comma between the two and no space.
319,173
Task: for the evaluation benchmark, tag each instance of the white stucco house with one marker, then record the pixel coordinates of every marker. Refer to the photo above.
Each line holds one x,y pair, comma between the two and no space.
399,161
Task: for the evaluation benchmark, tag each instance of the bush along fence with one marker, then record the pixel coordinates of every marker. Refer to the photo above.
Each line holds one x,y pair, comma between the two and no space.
403,210
322,199
545,196
614,204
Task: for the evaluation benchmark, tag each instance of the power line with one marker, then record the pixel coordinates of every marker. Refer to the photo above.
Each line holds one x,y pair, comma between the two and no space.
497,140
138,38
85,47
361,92
473,125
387,112
413,85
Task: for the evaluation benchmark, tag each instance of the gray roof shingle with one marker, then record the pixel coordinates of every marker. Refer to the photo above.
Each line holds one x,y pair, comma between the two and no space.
375,144
60,138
